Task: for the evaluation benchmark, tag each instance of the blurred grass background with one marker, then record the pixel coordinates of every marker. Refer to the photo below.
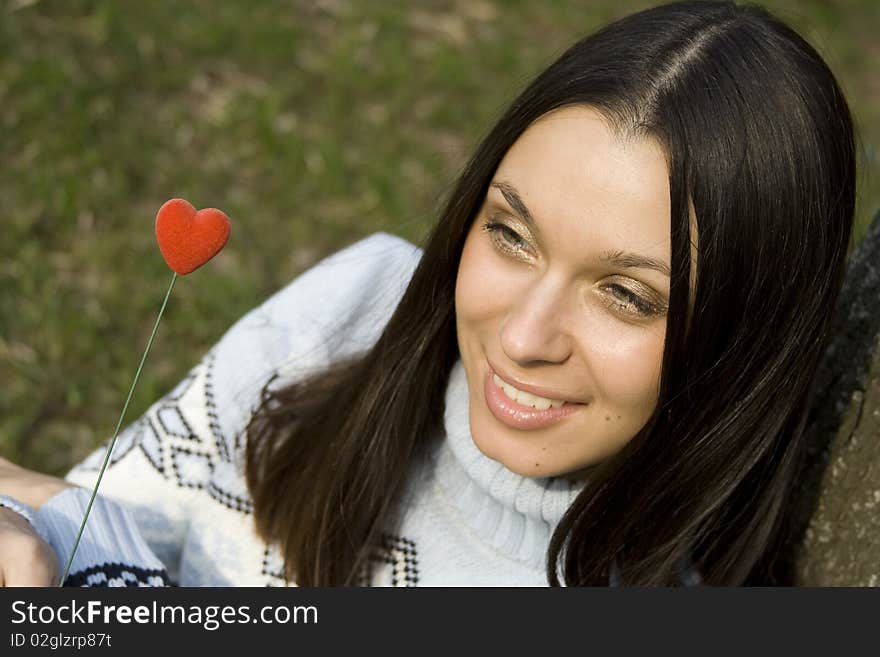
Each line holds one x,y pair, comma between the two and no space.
311,123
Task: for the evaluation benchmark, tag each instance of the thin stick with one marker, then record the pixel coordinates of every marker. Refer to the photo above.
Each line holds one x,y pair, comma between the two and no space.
116,433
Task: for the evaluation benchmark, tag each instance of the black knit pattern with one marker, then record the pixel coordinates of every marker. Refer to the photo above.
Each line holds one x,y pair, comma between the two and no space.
399,554
118,574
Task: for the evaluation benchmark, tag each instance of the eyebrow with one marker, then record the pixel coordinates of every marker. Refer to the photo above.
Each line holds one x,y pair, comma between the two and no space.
620,259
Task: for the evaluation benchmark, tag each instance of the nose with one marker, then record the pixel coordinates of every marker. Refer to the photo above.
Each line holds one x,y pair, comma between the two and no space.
535,328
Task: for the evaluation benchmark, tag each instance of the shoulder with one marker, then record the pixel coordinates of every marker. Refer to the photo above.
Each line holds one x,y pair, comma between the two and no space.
337,307
377,245
373,270
340,298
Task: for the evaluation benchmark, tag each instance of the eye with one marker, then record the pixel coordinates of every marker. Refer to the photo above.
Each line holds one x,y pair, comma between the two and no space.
505,238
631,303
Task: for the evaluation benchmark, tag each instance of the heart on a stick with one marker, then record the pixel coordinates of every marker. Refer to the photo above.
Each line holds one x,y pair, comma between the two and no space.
188,239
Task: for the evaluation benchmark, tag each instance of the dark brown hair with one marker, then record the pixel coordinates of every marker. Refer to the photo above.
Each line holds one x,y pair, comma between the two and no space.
759,137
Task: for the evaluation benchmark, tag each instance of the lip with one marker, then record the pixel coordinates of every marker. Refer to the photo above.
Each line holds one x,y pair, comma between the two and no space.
535,390
518,416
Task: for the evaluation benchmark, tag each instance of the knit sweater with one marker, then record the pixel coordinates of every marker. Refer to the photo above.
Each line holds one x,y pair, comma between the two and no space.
173,506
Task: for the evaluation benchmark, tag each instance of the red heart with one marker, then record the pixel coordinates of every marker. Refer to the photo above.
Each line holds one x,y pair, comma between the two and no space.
188,239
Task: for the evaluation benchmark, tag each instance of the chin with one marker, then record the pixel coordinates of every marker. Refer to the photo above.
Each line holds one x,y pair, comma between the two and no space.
522,462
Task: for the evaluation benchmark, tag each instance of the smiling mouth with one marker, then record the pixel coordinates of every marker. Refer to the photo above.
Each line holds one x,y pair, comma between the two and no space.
527,395
526,398
519,416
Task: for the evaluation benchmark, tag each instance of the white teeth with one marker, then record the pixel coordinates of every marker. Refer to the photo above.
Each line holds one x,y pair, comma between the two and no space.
525,398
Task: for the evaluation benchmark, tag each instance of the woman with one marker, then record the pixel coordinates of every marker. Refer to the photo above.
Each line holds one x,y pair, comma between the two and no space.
648,245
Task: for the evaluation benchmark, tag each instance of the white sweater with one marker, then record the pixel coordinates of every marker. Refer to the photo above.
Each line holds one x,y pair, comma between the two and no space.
173,506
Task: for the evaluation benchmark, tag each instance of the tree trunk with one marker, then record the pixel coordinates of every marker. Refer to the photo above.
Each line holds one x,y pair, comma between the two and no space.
832,531
841,545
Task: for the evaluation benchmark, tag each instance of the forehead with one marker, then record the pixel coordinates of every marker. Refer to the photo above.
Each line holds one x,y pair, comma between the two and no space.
587,185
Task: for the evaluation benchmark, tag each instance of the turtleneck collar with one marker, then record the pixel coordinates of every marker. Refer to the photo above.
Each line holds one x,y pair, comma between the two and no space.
514,514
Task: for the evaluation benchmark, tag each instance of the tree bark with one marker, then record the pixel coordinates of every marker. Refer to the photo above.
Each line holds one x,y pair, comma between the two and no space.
832,531
841,545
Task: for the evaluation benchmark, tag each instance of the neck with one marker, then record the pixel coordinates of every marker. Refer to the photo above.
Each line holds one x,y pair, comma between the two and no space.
511,513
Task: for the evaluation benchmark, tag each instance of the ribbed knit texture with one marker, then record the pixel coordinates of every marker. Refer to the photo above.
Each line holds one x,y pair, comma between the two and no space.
496,509
111,551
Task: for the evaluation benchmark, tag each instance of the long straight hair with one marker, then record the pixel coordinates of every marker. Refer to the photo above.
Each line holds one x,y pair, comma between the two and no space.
759,140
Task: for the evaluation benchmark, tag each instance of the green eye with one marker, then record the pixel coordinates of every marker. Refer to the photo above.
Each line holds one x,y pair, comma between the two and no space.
629,302
505,237
631,298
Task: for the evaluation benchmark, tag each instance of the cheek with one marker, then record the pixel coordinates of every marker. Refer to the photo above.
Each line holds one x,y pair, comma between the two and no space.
629,368
483,287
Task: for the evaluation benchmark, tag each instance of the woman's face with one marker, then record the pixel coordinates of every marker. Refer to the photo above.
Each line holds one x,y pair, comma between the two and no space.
564,293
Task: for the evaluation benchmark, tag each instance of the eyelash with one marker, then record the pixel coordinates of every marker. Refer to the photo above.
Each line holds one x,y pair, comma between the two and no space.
630,304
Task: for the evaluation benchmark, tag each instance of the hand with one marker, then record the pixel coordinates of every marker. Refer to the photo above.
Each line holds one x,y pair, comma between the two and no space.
25,558
32,488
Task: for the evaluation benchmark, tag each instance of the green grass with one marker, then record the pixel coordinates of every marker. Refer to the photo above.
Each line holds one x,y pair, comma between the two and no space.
310,123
